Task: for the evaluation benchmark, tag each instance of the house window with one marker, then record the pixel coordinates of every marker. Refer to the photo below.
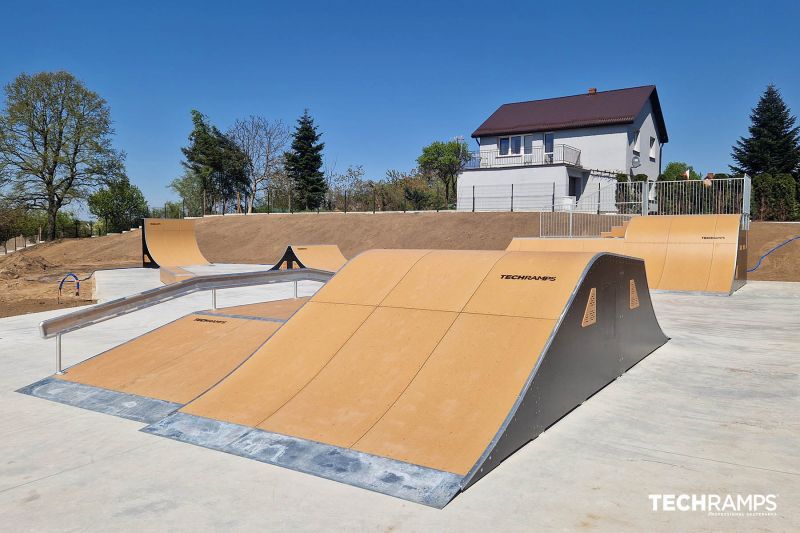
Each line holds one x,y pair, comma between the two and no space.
636,142
503,143
652,148
512,145
527,146
548,143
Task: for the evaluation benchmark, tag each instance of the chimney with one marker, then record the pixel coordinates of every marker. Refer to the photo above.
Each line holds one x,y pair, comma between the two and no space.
592,90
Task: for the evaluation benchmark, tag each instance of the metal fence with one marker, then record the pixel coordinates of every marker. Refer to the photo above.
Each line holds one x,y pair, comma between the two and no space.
525,156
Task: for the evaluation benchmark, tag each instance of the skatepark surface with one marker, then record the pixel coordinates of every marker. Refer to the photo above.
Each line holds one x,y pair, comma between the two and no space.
712,411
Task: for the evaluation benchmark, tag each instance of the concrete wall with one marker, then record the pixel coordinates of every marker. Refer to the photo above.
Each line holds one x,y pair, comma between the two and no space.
533,188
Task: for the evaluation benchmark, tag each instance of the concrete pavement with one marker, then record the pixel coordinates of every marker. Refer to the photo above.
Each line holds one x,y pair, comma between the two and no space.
714,411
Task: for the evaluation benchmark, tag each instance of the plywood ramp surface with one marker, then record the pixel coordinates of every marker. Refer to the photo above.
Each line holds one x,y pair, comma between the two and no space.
172,242
415,355
696,253
277,309
182,359
320,256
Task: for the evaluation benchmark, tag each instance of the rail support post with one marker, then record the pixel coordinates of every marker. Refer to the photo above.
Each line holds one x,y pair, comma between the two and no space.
213,299
59,370
295,288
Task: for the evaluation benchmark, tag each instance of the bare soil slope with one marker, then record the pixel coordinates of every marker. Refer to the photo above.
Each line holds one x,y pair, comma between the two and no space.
781,265
29,278
262,239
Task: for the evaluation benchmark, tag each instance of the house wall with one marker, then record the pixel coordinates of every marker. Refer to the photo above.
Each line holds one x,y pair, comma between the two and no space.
646,126
533,188
602,148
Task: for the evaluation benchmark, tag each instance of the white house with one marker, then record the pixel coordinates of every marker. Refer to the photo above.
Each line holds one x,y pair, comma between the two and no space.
559,152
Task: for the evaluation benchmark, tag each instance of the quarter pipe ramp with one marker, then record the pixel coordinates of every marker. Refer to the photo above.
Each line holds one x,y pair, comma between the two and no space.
170,242
415,372
695,253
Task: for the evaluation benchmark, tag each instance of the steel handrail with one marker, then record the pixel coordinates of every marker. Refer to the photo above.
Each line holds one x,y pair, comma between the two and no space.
122,306
56,327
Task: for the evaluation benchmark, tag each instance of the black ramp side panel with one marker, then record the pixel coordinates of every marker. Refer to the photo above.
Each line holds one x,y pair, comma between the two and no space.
289,258
147,259
581,360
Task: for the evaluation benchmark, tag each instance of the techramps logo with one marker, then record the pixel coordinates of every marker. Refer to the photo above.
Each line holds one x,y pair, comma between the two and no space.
735,505
525,277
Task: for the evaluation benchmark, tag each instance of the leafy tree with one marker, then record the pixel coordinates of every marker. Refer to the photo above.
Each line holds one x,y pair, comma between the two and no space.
676,170
773,146
190,189
216,161
444,160
303,164
775,197
119,204
55,141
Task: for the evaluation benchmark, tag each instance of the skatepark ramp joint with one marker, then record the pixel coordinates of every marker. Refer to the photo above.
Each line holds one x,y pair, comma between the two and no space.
57,326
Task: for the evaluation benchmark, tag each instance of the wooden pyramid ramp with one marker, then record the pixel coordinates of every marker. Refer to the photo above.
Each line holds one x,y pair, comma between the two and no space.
416,372
320,256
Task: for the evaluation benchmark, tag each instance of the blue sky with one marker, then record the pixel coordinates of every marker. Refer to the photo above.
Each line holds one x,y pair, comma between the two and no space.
382,79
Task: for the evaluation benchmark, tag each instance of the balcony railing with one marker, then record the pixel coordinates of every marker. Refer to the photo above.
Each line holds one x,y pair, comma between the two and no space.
562,154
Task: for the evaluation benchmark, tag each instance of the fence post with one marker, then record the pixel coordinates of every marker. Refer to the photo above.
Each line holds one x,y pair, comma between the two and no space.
473,198
291,208
599,186
374,199
645,198
512,197
345,201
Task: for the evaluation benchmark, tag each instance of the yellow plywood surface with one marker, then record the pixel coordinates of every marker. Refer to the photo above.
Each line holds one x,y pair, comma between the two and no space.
173,242
367,375
649,229
175,362
369,277
535,285
681,252
320,256
433,283
278,309
173,274
283,366
364,364
458,401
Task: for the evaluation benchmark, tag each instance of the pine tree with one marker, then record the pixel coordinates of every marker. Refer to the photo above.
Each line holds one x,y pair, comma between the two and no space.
304,165
773,146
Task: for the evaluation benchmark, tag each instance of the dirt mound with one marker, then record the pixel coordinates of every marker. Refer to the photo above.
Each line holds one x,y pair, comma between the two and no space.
21,265
262,238
784,263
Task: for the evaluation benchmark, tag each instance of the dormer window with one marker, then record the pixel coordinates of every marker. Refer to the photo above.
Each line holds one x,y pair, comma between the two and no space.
510,145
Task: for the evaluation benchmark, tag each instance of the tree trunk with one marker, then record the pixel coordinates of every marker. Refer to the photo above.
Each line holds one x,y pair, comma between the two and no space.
52,216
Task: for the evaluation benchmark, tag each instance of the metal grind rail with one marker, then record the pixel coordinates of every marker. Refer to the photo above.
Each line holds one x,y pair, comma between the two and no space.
56,327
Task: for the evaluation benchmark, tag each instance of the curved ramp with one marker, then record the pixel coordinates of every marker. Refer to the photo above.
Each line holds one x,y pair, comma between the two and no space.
320,256
416,372
151,376
170,243
694,253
